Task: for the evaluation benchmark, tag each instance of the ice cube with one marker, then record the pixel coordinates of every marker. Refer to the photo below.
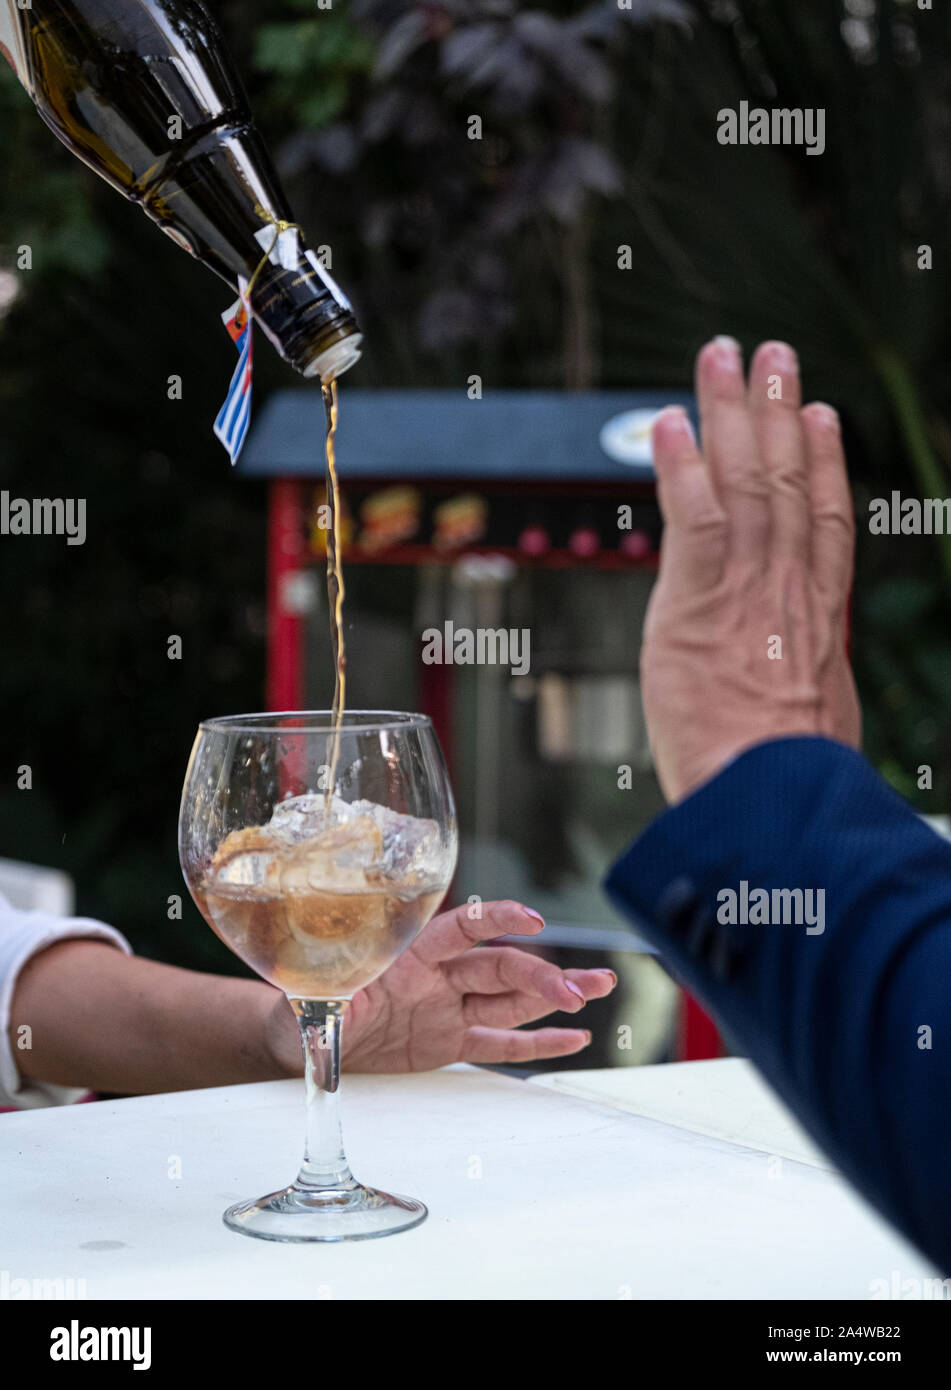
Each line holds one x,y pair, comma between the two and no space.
299,817
363,843
245,859
345,926
412,848
340,859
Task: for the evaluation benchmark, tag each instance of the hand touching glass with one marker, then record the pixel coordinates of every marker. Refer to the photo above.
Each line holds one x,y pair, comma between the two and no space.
450,999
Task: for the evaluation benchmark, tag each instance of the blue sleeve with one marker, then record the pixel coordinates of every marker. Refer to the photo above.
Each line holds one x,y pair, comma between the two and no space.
849,1017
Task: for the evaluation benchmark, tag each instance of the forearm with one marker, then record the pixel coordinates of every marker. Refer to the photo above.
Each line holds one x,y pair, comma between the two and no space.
97,1018
833,1018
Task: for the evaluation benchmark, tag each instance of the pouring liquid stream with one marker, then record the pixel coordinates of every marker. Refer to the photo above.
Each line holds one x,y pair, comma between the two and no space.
335,588
285,894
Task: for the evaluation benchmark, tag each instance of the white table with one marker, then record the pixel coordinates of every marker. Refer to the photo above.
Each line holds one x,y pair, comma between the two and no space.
533,1193
725,1099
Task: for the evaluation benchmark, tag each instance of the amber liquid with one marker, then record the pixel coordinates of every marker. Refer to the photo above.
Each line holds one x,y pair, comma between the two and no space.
335,586
314,944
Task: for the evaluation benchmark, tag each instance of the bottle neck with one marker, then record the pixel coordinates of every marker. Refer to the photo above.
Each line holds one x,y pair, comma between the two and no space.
145,94
302,310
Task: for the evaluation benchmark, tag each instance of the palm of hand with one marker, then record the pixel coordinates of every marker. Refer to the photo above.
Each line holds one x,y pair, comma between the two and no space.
757,551
449,998
410,1019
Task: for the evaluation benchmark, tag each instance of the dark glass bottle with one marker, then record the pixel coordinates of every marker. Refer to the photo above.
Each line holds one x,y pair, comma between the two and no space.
144,92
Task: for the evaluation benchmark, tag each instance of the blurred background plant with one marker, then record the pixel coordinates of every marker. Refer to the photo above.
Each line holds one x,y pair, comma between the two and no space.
479,168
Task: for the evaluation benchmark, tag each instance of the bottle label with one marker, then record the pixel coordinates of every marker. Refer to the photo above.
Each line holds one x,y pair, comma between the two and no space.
234,417
329,281
285,252
13,41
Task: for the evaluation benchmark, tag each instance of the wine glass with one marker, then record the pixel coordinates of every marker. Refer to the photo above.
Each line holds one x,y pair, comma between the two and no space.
317,857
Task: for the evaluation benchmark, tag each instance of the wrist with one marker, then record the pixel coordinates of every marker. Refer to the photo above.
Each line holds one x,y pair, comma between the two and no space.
281,1035
706,766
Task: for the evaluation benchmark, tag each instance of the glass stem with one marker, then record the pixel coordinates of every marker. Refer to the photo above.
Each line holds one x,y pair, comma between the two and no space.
325,1163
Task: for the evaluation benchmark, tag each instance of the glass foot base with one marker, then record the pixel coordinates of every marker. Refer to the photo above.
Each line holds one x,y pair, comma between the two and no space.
344,1213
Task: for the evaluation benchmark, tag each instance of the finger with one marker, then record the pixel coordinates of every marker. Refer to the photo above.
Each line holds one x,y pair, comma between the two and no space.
730,448
830,503
594,984
453,932
511,1010
510,1045
499,969
694,544
775,402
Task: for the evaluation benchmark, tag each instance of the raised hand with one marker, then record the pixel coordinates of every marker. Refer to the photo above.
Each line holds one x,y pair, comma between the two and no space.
744,639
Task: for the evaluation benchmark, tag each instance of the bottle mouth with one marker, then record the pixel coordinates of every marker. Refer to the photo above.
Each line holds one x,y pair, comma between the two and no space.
336,359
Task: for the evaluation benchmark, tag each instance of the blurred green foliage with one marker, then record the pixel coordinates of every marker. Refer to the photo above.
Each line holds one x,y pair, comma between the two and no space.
313,61
498,256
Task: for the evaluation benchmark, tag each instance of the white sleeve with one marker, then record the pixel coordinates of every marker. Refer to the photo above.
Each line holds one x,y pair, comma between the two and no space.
22,934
